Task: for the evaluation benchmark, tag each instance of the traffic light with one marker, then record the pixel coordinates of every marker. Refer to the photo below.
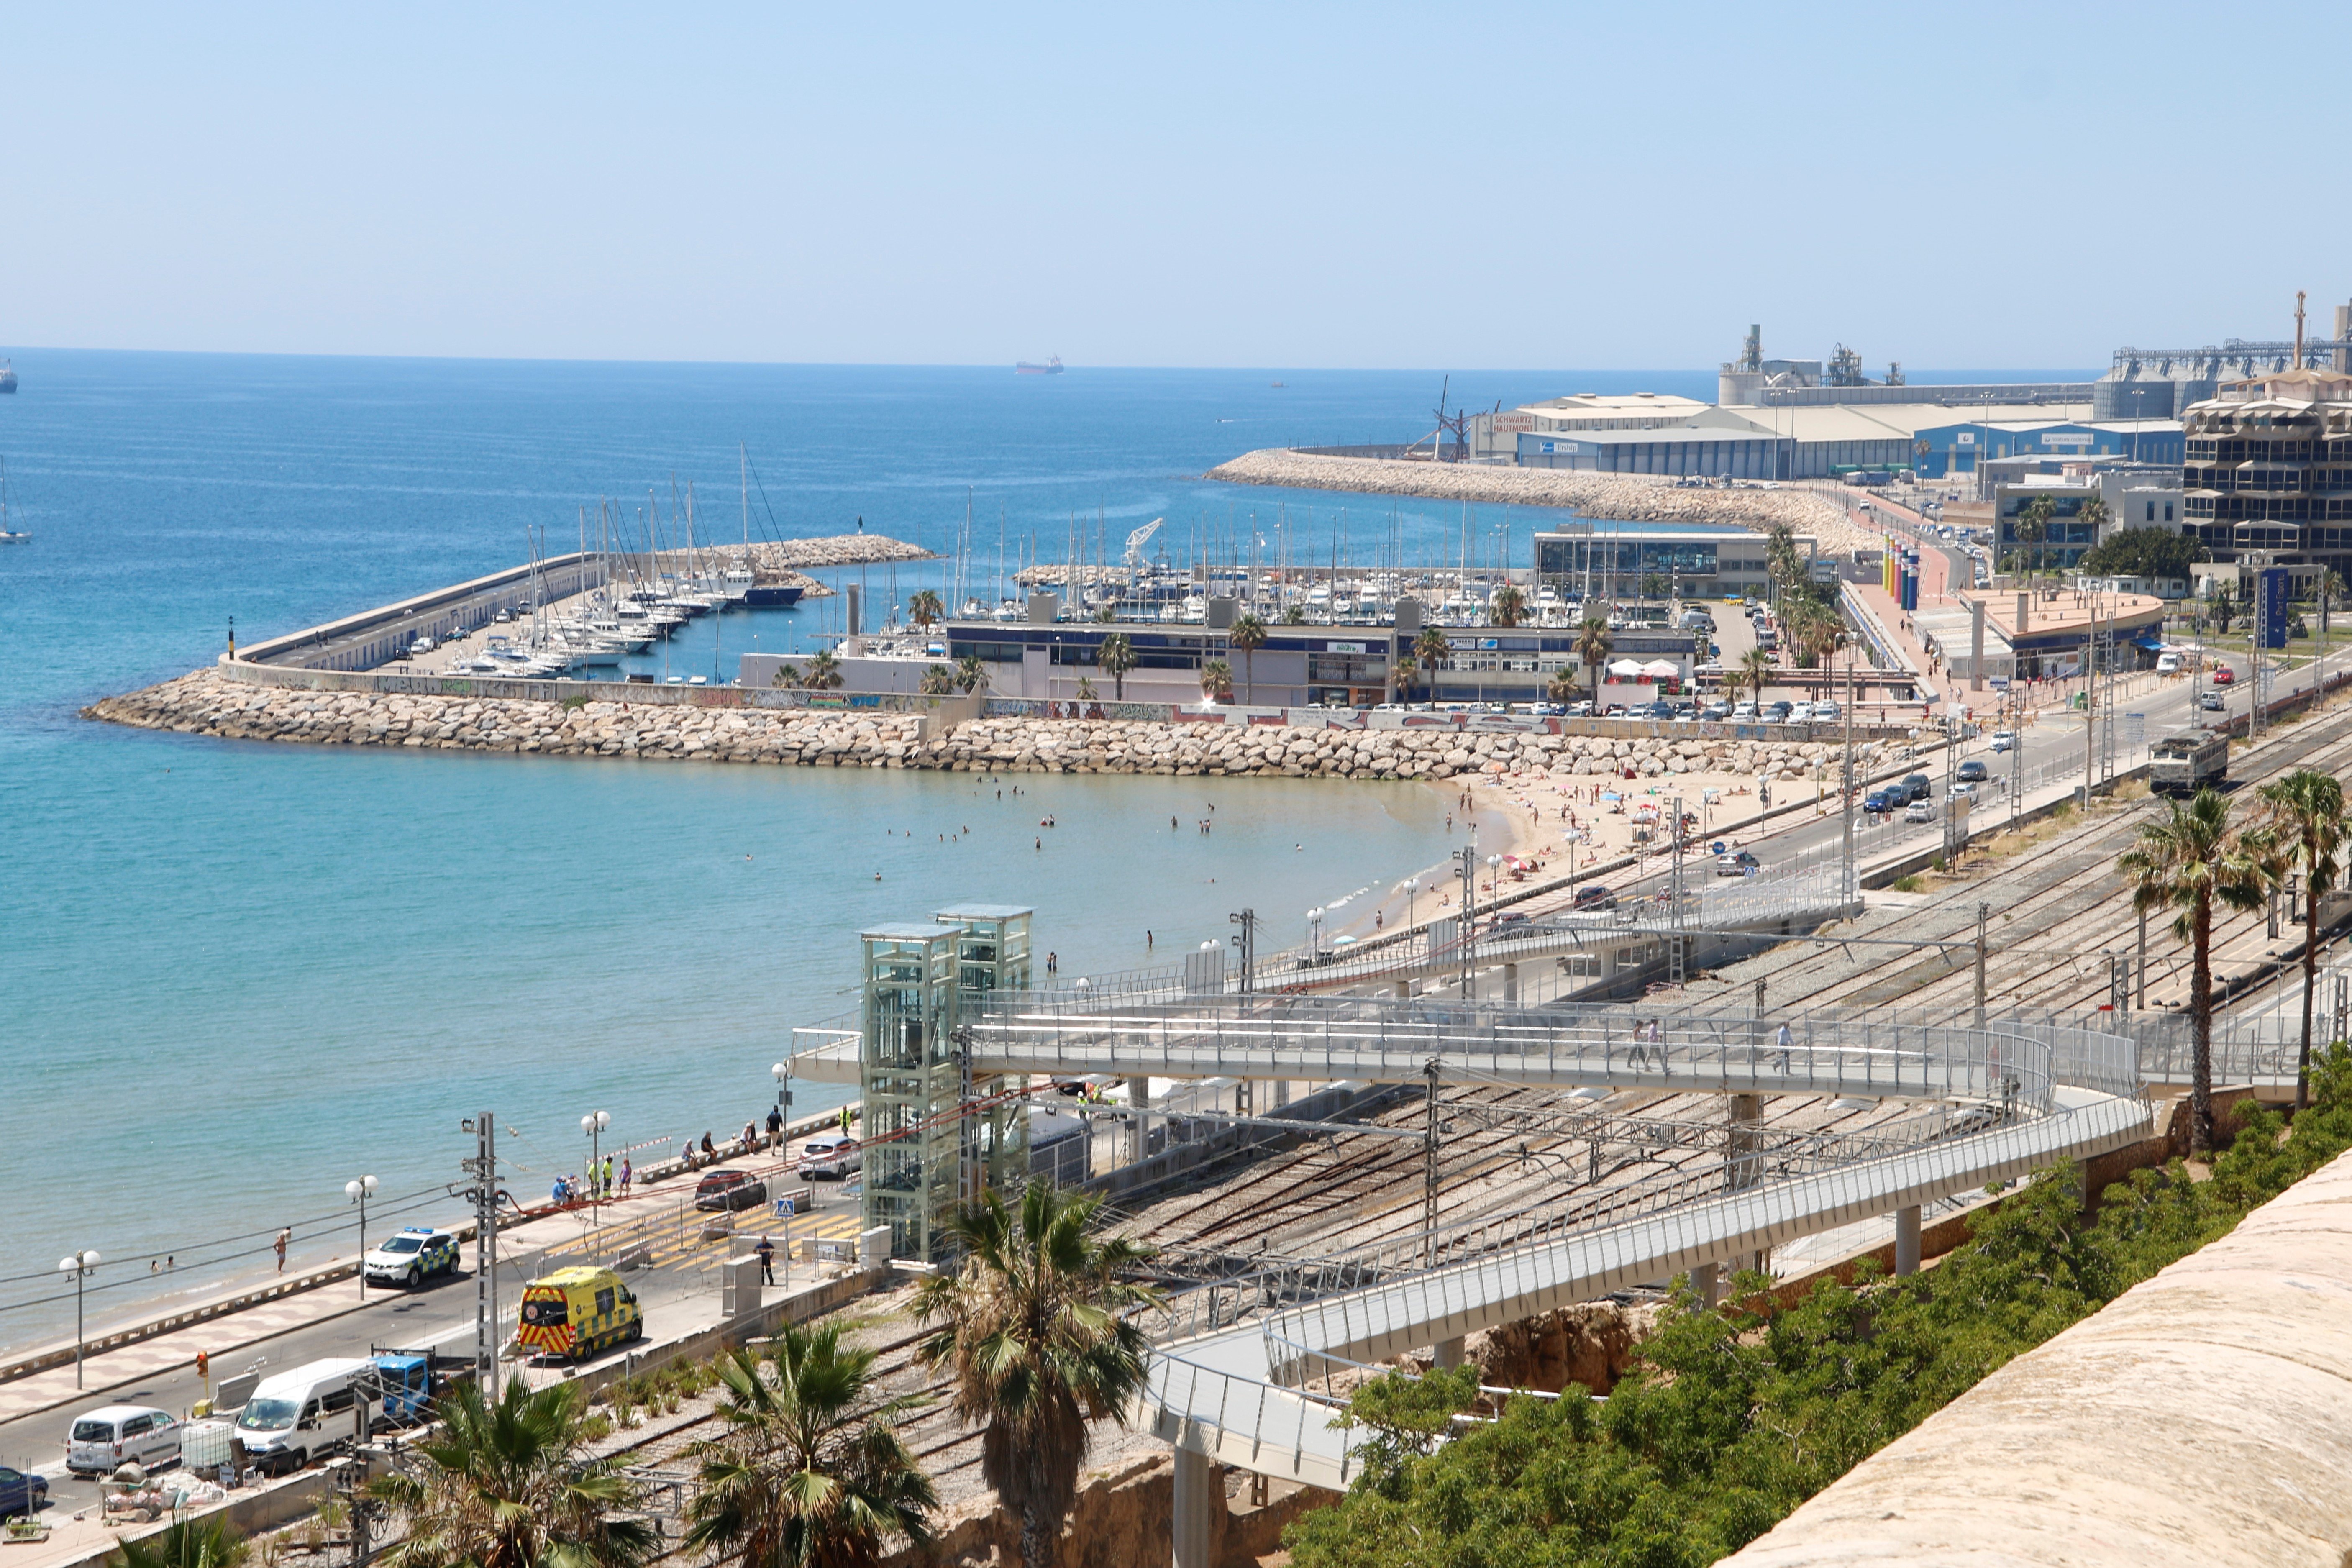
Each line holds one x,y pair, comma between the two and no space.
204,1365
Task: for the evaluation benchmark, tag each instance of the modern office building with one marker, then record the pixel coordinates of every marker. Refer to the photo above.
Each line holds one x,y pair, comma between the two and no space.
1591,560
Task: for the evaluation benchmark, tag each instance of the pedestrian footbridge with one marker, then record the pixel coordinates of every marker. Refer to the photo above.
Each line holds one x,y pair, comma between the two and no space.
1258,1394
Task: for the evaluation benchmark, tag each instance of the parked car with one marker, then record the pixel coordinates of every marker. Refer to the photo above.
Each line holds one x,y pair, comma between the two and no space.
22,1493
1715,711
411,1256
831,1155
108,1436
1914,786
2224,676
299,1414
1878,802
1919,811
1778,712
1800,714
1593,896
2004,739
1827,713
1744,710
2212,702
1738,863
723,1192
1659,709
1973,771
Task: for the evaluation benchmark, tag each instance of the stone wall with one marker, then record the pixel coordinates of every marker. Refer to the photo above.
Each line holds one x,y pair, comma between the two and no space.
1591,1344
208,703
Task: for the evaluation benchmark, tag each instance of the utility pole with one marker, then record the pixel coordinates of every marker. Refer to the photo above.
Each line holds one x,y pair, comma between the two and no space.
1850,884
1680,968
1247,942
1465,937
1983,910
1429,1178
484,1169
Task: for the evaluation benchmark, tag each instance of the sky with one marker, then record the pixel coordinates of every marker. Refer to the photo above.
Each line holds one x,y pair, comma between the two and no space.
1345,185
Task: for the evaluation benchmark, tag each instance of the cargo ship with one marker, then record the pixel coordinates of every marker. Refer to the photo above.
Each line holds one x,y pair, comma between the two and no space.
8,374
1053,366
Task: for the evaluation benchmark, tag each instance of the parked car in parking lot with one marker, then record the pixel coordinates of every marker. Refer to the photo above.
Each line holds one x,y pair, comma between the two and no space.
1743,710
1715,711
1778,712
106,1438
725,1191
1827,713
831,1155
1800,714
22,1493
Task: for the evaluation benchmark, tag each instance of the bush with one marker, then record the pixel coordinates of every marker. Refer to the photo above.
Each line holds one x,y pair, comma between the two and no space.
1739,1414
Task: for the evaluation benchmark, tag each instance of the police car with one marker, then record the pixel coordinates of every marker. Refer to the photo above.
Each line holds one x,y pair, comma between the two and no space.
411,1257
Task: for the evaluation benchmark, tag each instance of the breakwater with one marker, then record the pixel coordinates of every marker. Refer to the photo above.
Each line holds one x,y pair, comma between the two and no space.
945,735
1631,497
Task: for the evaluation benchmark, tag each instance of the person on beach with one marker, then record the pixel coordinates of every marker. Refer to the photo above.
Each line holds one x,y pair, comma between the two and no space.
284,1236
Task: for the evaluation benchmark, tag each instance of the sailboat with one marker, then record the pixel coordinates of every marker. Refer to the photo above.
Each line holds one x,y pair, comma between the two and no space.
8,536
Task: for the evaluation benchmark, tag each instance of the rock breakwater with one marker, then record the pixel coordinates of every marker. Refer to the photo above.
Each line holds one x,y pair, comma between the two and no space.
1633,498
207,702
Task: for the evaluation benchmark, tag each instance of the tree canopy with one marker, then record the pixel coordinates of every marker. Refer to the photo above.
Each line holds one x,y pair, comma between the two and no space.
2143,553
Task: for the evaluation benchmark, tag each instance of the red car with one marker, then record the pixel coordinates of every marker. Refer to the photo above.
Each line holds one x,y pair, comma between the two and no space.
2223,675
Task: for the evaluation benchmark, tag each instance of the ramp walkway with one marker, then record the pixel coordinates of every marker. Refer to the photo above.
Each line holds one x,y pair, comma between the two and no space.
1247,1395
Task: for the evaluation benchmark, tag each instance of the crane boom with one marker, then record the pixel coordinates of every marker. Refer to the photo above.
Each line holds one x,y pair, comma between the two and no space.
1137,539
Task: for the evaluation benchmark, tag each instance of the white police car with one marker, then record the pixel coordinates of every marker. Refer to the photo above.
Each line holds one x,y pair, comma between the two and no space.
411,1257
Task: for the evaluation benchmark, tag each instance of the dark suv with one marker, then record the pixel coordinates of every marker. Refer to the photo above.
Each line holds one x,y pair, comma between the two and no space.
1593,896
1914,787
723,1191
1974,771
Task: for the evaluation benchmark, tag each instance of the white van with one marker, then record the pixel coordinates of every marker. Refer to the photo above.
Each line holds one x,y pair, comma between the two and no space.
831,1155
118,1432
315,1409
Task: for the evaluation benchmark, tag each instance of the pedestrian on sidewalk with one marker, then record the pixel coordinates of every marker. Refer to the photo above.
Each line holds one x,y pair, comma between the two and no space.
767,1255
775,1129
626,1175
1787,1042
284,1236
608,1175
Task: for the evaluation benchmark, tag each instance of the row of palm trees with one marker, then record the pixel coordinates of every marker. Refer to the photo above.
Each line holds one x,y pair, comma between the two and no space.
1033,1327
2197,859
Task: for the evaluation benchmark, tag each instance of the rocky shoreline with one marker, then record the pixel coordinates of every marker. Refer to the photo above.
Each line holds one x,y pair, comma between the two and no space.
207,702
1633,498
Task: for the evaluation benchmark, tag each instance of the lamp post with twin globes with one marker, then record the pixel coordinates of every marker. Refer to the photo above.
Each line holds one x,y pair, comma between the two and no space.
78,1267
358,1193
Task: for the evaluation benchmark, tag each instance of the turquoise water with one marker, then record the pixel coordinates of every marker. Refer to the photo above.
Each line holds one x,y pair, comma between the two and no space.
240,974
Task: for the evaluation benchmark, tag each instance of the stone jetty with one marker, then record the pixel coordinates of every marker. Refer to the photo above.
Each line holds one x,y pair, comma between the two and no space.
832,550
207,702
1632,498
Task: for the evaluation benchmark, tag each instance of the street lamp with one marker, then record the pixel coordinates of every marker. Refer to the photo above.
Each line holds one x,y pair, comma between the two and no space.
783,1073
1411,886
1315,930
592,1127
357,1192
78,1267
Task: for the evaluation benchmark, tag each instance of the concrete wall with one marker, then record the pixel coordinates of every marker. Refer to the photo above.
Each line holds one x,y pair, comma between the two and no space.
2201,1419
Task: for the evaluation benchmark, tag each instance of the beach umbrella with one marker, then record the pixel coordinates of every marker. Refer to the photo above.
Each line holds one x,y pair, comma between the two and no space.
1660,669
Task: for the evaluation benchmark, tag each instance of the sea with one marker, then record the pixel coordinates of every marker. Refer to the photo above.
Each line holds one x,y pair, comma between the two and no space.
236,977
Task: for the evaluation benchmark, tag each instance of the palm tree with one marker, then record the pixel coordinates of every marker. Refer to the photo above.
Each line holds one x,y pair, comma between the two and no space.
1401,674
2189,859
1249,635
1509,607
1592,648
823,670
187,1543
1031,1328
2093,517
505,1486
1116,658
971,673
1295,616
1087,692
810,1473
939,681
2032,526
1217,681
1759,666
787,675
1432,647
924,608
1561,688
2301,822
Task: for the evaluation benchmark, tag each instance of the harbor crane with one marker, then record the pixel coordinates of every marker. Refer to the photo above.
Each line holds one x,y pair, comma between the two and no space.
1135,544
1459,422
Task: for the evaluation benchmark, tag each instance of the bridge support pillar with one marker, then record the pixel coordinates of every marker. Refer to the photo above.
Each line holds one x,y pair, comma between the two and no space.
1744,1157
1510,986
1199,1502
1706,1280
1449,1353
1139,1128
1907,1241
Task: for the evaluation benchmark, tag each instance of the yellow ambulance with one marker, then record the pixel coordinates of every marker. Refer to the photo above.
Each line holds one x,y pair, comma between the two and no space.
577,1311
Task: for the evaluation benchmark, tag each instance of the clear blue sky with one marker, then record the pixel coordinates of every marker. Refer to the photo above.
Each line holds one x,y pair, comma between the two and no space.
1342,185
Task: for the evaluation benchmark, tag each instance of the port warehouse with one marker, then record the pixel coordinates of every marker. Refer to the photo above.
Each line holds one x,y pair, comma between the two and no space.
1646,432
